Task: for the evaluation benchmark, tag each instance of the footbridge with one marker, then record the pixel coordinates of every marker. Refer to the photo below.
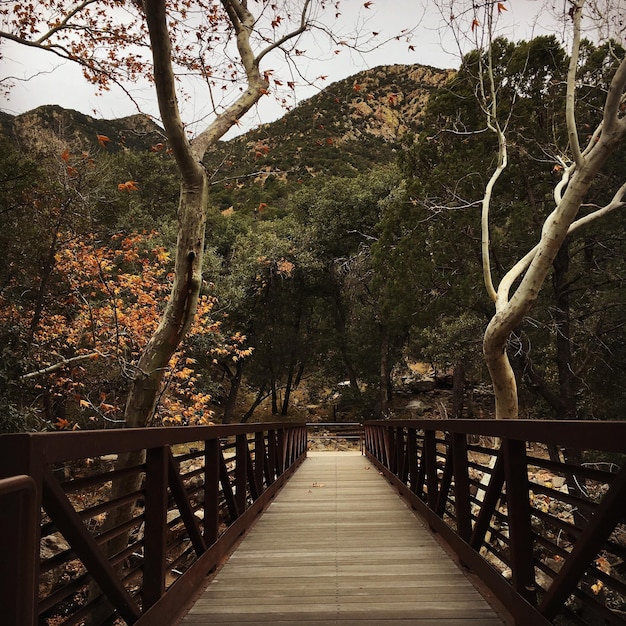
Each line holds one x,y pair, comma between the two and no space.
427,522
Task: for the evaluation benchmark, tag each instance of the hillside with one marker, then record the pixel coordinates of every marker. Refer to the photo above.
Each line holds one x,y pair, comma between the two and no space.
347,128
54,126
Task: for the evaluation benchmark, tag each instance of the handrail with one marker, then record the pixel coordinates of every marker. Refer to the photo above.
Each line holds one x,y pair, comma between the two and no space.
535,508
182,497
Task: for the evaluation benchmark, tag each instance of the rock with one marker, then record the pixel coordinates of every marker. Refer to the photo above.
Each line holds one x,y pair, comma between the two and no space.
417,406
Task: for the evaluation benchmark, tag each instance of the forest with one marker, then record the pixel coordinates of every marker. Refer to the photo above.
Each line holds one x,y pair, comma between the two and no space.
344,259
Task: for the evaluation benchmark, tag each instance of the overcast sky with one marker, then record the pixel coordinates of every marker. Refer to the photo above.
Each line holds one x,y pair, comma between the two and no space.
51,82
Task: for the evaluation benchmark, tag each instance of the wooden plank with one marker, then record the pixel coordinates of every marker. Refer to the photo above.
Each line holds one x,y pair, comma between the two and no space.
338,546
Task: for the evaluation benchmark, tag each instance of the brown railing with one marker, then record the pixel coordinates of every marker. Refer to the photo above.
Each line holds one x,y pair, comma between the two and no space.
537,509
182,496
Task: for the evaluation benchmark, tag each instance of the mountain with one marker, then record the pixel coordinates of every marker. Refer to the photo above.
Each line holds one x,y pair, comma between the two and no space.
349,127
53,126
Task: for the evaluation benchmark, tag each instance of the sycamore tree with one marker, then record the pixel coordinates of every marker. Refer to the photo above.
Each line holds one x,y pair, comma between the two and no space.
578,164
227,46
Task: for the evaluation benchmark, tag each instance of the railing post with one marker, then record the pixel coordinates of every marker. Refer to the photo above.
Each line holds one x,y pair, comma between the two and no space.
259,458
241,471
211,490
271,456
520,532
19,534
461,486
155,534
17,565
411,445
430,463
280,457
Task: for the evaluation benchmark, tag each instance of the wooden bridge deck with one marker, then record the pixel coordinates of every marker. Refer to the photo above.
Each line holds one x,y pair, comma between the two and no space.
338,546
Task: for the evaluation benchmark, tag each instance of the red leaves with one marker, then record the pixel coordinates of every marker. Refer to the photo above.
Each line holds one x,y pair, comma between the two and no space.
475,24
367,5
66,155
103,140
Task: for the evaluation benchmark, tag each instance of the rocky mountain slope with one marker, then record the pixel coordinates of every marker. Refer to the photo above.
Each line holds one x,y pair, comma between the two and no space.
52,125
349,127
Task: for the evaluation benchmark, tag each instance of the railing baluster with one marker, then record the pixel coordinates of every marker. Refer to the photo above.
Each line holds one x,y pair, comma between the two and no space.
227,488
520,532
430,464
155,533
179,492
271,455
259,459
19,527
211,490
461,486
241,473
411,445
604,520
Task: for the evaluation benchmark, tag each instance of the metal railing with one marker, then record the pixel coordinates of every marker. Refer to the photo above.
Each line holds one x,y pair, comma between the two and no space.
126,524
535,508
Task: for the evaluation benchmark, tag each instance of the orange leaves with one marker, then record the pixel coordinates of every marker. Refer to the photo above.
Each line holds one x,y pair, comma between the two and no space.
475,24
103,140
61,424
501,7
66,155
128,186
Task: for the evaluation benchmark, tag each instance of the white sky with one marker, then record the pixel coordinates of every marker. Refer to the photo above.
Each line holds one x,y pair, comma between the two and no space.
50,82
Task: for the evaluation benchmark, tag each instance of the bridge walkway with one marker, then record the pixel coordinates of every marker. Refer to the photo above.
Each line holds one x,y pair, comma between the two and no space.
338,546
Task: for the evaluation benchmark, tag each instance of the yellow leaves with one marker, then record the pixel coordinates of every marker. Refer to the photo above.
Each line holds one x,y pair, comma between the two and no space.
597,587
84,404
603,564
285,268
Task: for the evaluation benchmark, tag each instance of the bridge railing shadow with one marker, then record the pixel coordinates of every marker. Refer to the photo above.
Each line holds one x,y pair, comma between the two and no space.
196,491
535,508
